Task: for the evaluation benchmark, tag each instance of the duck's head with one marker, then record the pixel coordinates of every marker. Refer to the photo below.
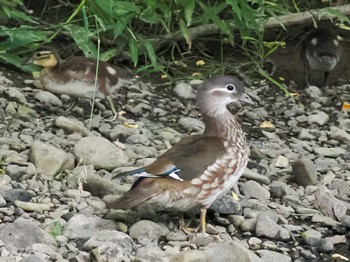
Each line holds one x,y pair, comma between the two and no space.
45,58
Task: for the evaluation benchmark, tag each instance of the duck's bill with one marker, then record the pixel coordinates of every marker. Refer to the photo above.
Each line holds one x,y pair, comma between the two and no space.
246,99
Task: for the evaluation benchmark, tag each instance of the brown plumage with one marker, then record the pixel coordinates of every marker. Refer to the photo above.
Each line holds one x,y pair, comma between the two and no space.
200,168
76,76
321,51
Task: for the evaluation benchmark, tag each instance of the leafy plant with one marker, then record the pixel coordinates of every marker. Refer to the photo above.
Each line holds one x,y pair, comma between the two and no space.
151,34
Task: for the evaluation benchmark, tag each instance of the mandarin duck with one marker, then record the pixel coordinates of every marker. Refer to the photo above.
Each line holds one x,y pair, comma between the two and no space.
200,168
76,76
320,53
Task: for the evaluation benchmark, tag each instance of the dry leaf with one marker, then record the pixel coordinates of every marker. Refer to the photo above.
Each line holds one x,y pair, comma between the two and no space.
200,63
346,106
267,124
338,256
126,124
196,74
180,64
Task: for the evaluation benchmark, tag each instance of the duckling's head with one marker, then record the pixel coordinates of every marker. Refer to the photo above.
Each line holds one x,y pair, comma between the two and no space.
45,58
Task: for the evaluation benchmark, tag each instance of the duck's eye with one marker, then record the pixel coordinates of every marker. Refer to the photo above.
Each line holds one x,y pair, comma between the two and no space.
230,87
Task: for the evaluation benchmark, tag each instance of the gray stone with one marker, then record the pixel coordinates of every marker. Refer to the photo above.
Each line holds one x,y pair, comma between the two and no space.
266,227
43,248
252,175
99,152
121,132
311,237
340,134
50,160
15,171
2,201
145,231
125,243
254,243
151,253
111,252
272,256
305,134
346,221
252,189
12,195
330,152
278,190
71,125
45,97
304,172
313,91
191,124
320,118
83,227
16,95
226,205
176,236
184,90
23,234
35,258
329,204
190,256
231,251
202,239
140,151
248,225
325,245
281,161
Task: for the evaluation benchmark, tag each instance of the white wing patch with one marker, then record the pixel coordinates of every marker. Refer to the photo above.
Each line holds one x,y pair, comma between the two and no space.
111,70
172,175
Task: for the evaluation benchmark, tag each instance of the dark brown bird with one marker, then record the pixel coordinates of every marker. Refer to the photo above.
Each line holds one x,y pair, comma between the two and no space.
200,168
320,53
76,76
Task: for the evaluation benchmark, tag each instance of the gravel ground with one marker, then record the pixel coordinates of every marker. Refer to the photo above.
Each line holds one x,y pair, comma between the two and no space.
56,177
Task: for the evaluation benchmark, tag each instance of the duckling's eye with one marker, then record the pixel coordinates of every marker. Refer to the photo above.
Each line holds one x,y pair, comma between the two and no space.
231,87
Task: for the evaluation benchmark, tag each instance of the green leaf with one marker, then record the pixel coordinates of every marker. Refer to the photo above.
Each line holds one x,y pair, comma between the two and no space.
151,54
56,228
21,37
185,33
13,13
134,51
17,61
82,40
189,9
106,56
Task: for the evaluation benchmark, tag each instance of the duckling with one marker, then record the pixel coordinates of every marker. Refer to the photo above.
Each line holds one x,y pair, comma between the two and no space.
76,77
321,51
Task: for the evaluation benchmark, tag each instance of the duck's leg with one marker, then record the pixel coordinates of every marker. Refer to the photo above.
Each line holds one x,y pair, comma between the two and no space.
326,74
184,227
70,106
115,114
203,225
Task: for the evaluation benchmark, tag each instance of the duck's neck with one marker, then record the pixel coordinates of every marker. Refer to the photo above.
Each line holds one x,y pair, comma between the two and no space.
223,125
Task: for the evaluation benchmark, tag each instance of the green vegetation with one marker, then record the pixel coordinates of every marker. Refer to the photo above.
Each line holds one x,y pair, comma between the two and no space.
161,36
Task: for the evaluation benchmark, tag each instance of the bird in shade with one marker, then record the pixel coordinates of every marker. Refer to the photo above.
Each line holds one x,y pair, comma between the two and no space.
320,52
78,77
200,168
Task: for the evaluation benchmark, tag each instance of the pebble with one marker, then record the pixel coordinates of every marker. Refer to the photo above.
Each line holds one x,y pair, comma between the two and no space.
73,193
145,231
252,189
304,172
184,90
329,152
320,118
100,153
